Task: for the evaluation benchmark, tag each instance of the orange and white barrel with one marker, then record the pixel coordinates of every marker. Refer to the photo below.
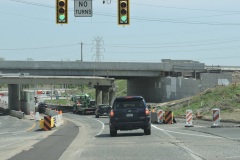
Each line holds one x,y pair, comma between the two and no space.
32,117
189,118
160,114
216,117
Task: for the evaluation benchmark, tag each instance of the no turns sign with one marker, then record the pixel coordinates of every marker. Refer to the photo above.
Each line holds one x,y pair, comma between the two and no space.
83,8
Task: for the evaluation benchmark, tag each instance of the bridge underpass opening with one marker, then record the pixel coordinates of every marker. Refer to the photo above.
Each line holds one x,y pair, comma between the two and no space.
99,83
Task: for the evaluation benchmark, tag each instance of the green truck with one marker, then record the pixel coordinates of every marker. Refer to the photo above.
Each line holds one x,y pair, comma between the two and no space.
83,104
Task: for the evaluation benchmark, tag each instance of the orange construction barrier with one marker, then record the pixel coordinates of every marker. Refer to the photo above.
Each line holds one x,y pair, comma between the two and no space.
168,117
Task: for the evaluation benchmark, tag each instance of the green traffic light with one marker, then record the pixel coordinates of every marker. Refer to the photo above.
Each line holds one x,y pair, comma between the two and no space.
124,18
62,17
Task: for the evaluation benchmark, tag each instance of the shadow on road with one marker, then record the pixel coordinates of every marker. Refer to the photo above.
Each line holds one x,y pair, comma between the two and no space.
37,130
120,135
2,114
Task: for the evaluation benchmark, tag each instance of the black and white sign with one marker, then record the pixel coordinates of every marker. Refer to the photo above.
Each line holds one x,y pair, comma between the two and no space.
83,8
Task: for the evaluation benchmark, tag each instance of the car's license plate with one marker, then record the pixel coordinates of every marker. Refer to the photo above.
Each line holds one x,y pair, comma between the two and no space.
129,115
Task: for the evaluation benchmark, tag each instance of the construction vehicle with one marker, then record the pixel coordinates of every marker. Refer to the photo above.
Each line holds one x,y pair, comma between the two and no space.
83,104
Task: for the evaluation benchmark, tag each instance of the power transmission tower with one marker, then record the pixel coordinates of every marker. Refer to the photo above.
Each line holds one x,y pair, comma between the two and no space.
98,42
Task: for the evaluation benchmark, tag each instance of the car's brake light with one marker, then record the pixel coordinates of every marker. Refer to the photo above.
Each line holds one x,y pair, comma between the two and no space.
111,113
147,112
128,97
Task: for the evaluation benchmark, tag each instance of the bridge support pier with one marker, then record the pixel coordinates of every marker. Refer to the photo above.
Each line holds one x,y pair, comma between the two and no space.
98,96
13,97
105,95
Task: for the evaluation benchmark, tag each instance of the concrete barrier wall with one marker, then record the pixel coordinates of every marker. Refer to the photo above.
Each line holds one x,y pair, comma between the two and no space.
50,112
210,80
17,114
166,89
58,119
174,88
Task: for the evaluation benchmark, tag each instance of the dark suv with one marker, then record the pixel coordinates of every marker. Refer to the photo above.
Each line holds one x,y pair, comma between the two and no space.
129,113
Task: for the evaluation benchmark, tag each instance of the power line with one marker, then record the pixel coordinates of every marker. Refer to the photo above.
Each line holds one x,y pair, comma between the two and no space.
146,45
140,19
181,8
150,19
190,9
34,3
191,45
26,16
12,49
178,51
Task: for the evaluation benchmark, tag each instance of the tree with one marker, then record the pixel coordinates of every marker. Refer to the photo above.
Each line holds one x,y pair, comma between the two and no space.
2,59
29,59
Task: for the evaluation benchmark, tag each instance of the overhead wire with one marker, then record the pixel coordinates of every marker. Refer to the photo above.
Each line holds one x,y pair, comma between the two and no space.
43,47
141,45
191,45
147,18
177,51
152,20
180,8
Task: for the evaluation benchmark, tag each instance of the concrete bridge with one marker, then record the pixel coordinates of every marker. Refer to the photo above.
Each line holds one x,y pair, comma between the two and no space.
156,82
102,69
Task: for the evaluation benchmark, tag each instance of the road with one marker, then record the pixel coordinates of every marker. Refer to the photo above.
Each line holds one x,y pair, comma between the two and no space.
87,138
17,135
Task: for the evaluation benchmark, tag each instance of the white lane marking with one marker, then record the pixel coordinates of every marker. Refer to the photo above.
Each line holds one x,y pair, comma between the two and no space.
232,157
191,153
102,126
12,143
11,132
189,134
164,131
196,126
199,126
172,138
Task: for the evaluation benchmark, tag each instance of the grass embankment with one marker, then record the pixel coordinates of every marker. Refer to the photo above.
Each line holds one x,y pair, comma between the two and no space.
226,98
121,91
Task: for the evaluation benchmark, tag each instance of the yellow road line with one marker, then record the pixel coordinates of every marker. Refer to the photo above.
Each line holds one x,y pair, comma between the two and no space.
29,129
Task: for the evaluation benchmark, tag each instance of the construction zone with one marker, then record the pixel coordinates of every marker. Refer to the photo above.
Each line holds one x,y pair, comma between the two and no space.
53,118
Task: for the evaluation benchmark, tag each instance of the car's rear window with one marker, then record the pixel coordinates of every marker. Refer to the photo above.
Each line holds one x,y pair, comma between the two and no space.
103,107
128,103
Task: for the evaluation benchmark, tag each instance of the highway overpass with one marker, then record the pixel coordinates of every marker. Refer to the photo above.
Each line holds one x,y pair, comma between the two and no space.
156,82
102,69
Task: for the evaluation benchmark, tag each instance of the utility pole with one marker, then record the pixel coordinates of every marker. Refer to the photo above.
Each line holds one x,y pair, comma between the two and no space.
81,52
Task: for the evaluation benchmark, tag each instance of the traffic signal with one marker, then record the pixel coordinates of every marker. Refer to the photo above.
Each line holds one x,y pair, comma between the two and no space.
61,11
123,12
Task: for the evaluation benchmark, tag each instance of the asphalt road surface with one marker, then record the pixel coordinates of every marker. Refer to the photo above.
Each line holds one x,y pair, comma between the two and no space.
87,138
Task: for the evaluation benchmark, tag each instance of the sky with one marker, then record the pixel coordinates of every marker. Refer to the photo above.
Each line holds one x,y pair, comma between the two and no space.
207,31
